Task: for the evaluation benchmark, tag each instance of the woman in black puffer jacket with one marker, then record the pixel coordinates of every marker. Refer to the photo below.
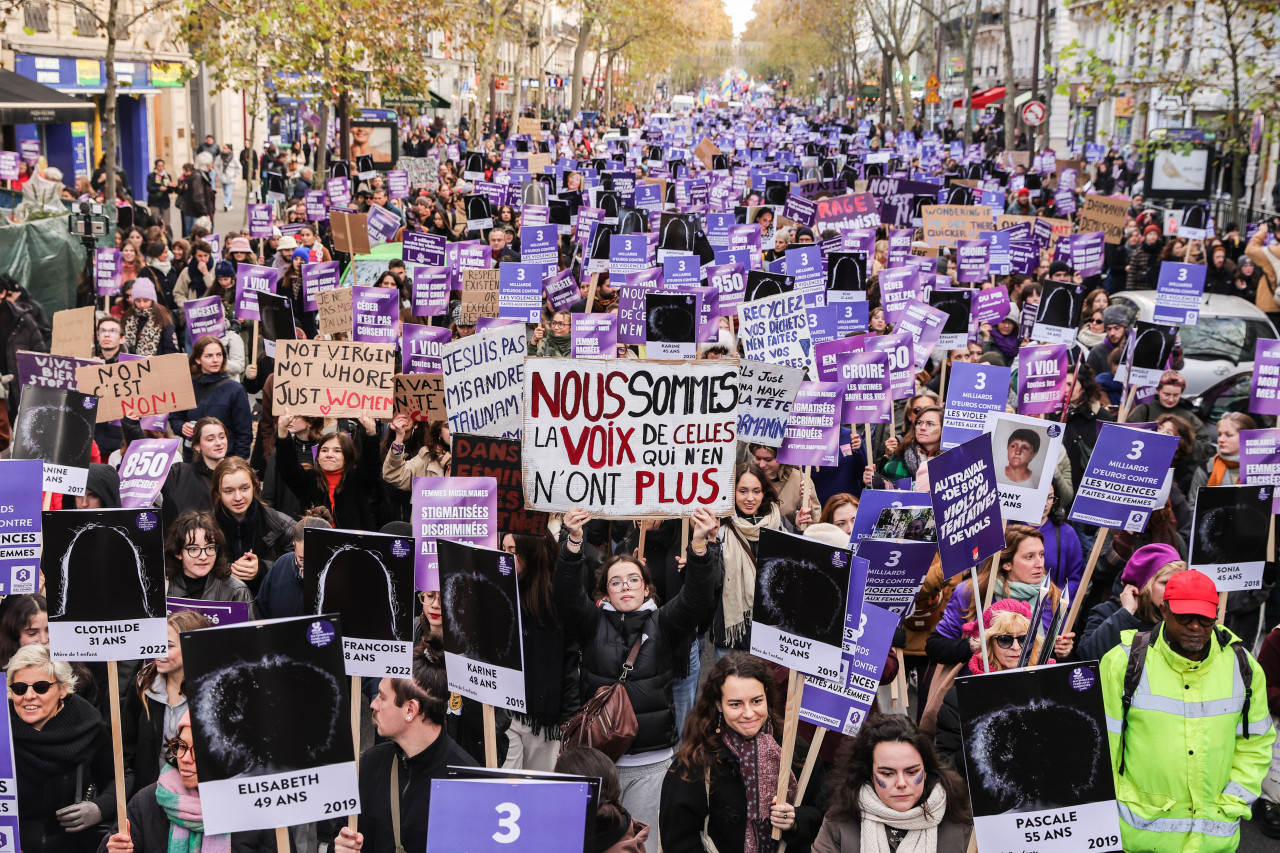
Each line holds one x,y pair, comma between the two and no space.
626,613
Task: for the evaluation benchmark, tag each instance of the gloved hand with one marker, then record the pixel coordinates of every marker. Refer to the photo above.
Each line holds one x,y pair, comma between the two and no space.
78,817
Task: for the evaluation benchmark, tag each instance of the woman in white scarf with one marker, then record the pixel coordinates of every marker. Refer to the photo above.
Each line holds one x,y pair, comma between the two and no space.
890,793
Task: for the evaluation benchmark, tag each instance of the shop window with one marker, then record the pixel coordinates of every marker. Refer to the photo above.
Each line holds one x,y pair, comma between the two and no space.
35,16
86,23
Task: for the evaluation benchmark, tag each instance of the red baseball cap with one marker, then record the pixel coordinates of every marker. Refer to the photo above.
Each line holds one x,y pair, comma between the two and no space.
1192,593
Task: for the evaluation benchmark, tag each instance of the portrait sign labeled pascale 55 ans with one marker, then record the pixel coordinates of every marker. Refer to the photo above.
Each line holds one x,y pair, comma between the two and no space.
367,579
104,574
630,438
269,717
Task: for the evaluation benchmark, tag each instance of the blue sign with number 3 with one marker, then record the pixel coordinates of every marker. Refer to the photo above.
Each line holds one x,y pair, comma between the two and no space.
511,816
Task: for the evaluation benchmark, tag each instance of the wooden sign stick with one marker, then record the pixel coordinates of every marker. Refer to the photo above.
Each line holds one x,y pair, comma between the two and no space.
490,737
591,292
253,351
1222,607
282,839
810,761
113,690
942,381
866,447
355,724
684,535
795,689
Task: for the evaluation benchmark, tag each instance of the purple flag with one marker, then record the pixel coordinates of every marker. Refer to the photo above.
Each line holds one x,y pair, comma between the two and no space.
595,336
108,271
966,505
376,315
250,281
317,278
459,509
812,436
205,316
420,347
1044,373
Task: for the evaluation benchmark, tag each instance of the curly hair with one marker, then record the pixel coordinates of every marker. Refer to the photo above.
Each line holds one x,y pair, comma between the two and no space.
700,743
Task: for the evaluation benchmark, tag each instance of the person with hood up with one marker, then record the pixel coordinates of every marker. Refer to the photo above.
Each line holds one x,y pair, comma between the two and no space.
1115,325
1004,337
19,330
101,488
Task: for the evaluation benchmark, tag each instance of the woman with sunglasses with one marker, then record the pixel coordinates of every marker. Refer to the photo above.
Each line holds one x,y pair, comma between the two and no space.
195,562
158,701
166,816
62,750
1092,330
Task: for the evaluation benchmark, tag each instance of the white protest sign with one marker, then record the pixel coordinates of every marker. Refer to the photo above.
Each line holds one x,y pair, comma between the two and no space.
483,376
765,395
775,330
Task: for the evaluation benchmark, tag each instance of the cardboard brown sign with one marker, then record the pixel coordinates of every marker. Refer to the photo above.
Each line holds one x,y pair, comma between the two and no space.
944,224
479,295
334,311
1107,214
526,125
139,389
334,379
539,162
420,396
705,151
350,232
1082,177
73,332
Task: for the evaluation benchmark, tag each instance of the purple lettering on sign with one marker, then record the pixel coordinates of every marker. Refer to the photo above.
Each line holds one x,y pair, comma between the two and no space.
108,271
205,316
594,336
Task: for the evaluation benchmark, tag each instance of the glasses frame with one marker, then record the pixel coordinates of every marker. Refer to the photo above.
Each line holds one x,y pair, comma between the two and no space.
40,687
619,584
1002,639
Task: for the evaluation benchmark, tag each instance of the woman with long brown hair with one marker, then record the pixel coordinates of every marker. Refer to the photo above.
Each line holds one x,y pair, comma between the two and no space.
342,479
218,395
723,784
256,535
148,326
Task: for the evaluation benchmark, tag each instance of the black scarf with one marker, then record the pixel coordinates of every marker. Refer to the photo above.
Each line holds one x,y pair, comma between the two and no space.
543,675
64,742
242,535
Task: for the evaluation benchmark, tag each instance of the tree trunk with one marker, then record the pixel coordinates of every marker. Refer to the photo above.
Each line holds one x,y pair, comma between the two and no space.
887,98
1010,85
908,105
969,38
344,128
593,96
579,58
608,84
322,158
109,112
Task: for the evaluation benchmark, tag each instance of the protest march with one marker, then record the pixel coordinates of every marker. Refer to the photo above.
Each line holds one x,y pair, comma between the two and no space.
737,477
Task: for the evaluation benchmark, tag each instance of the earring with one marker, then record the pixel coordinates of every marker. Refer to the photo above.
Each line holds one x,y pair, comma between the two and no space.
718,722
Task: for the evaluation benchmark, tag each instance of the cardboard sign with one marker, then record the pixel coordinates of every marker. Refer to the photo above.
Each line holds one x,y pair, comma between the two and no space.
367,579
945,224
420,396
280,682
480,598
335,311
1229,534
480,289
644,452
766,393
706,151
350,232
21,482
335,379
483,377
1105,213
460,509
135,389
144,468
73,332
966,505
1025,451
1123,479
801,594
1025,797
104,575
529,126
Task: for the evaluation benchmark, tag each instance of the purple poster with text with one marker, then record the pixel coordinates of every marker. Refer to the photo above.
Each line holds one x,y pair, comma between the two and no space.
420,348
966,505
1044,373
812,436
460,509
1123,478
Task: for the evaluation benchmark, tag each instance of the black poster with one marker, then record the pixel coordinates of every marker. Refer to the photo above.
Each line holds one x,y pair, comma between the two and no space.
500,458
762,284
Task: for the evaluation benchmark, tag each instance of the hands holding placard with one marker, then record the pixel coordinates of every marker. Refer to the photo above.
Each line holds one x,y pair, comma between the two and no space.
783,816
348,841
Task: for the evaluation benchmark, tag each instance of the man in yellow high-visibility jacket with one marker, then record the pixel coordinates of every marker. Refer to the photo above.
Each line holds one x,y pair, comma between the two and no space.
1191,750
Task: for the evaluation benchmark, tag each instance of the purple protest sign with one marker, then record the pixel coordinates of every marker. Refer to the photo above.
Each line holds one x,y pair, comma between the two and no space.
799,209
21,482
339,191
899,245
42,370
459,509
108,271
539,244
382,225
842,706
925,324
730,280
1260,460
1088,253
1264,390
1044,374
594,336
8,165
430,291
865,376
826,354
990,305
812,436
316,278
143,470
632,326
520,292
973,261
972,391
250,281
1123,478
260,221
628,253
205,316
217,612
1179,292
376,315
420,347
966,505
317,210
898,286
535,214
398,183
561,289
804,264
897,569
899,346
1064,199
681,271
422,248
1024,257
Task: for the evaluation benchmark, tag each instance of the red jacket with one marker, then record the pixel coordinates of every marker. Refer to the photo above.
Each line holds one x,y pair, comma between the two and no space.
1269,659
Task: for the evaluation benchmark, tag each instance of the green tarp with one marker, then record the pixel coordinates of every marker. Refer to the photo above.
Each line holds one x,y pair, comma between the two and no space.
45,258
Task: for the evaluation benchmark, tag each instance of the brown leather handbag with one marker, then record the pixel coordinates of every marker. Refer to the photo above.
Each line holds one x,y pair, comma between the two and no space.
607,722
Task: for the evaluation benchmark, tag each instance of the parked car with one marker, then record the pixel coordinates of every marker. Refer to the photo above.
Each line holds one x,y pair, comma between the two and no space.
1228,395
1219,345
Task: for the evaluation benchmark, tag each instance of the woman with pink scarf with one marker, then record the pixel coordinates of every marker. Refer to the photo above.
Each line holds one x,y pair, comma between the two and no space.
166,816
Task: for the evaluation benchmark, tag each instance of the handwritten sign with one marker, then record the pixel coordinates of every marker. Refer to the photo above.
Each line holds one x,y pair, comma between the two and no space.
335,311
335,379
134,389
73,332
420,396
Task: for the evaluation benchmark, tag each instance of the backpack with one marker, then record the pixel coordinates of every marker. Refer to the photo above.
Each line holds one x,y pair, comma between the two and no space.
1138,659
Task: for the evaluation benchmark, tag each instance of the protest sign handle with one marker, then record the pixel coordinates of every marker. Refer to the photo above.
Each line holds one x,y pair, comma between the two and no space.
282,839
866,428
355,735
490,737
1271,540
810,761
982,631
942,380
1128,404
795,689
684,535
253,351
48,501
113,691
1222,608
1083,586
901,680
973,843
640,545
591,293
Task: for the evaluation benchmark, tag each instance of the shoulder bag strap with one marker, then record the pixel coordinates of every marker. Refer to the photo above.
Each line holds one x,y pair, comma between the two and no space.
395,803
631,658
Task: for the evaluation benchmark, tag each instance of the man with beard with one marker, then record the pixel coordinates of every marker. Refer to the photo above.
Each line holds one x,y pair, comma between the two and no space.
1189,729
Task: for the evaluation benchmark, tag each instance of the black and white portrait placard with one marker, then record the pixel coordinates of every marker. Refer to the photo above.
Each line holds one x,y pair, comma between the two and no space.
1025,451
671,324
802,587
480,604
56,425
1147,356
367,579
104,576
1058,315
269,716
1229,535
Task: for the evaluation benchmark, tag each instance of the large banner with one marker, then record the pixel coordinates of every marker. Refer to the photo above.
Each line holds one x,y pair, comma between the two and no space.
630,439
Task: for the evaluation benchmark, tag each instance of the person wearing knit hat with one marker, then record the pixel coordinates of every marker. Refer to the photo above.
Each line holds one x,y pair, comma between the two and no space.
1115,325
168,815
143,291
828,534
148,326
1137,605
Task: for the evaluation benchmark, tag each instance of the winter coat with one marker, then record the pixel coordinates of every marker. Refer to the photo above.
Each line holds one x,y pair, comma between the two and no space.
399,471
415,775
606,636
192,284
187,486
216,589
845,836
219,395
1106,623
1267,262
352,506
24,334
272,537
1190,774
142,727
280,594
149,828
1080,435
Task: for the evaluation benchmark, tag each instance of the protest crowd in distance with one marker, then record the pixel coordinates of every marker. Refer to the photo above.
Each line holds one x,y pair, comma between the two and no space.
726,479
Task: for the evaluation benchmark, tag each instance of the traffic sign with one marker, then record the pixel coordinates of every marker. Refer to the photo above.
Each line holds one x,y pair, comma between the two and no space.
931,96
1033,113
932,82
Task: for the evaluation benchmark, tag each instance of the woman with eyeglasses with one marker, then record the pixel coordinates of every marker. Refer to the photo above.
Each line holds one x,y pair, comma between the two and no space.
627,615
922,442
1137,605
280,595
167,815
1006,623
149,719
195,562
62,754
1092,330
556,343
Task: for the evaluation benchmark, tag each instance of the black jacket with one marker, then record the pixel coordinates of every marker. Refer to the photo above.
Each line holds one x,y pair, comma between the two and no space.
416,774
271,536
142,734
606,637
149,828
220,396
1102,632
23,334
187,486
352,506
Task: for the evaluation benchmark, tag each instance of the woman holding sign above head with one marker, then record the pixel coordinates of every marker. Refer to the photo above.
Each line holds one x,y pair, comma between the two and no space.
218,395
628,620
195,562
342,479
255,534
62,750
722,788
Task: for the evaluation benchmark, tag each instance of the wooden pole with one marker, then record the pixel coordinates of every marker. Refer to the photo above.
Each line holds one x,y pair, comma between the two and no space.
982,630
113,690
490,737
1071,389
1271,540
684,535
866,429
282,839
591,292
1083,588
355,730
1222,607
942,381
253,351
640,546
901,680
795,689
1128,404
810,761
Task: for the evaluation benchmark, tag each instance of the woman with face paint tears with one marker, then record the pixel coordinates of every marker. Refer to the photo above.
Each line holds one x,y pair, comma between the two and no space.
62,749
890,792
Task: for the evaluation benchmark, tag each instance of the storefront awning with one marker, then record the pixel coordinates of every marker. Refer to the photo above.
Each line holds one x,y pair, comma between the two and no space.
982,100
431,100
24,101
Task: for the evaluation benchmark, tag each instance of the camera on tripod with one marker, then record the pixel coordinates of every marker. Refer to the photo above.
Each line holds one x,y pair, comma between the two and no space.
88,222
